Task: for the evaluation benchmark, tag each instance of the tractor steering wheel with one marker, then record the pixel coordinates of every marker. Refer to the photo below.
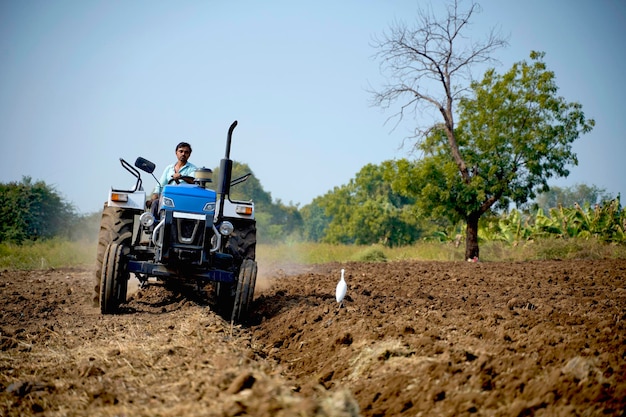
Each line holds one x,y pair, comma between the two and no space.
188,179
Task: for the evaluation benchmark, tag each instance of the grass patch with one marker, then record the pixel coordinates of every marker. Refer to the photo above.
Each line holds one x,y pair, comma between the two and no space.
305,253
316,253
53,253
59,253
493,251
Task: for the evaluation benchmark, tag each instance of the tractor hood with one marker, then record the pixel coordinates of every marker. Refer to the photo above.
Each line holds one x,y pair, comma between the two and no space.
188,198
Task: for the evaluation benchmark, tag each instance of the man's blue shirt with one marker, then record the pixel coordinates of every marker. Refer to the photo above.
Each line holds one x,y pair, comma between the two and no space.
188,170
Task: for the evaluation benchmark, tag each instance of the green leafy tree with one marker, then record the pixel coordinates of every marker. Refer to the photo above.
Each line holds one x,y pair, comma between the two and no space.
514,134
315,220
33,210
251,189
276,221
366,211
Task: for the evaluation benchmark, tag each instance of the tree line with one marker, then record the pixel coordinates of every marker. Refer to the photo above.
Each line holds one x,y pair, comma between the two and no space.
373,208
367,210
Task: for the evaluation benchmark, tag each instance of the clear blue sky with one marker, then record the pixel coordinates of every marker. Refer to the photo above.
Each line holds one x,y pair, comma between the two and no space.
83,83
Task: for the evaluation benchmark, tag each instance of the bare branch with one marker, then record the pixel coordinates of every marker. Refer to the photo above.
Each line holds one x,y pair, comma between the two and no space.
428,63
429,57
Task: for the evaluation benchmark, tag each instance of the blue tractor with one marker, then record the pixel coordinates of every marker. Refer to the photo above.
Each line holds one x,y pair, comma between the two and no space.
199,236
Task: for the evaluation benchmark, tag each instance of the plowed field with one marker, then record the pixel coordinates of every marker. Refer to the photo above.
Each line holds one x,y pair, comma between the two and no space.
412,339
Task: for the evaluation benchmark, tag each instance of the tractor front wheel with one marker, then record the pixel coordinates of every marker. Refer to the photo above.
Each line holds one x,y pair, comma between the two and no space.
116,226
114,279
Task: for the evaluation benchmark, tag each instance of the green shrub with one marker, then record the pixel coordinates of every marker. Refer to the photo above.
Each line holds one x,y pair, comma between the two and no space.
577,248
371,254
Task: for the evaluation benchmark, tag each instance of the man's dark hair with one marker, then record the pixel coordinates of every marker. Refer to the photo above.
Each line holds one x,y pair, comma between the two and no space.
183,145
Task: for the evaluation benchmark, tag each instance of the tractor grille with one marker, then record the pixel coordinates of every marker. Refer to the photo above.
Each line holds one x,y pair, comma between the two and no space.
188,230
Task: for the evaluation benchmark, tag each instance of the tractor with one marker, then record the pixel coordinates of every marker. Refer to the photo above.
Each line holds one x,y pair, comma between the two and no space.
199,236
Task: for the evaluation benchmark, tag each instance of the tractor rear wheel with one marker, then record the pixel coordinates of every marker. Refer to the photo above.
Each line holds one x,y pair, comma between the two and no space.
234,299
114,279
116,226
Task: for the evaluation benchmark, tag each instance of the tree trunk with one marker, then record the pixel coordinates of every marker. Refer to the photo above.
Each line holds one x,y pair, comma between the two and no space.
471,237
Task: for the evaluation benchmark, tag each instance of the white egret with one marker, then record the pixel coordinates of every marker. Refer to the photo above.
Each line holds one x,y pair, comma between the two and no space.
342,287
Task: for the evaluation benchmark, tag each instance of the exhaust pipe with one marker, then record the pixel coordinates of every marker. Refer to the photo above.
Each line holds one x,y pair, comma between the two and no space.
226,170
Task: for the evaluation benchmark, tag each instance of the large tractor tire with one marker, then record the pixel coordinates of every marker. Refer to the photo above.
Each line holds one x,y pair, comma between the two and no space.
114,279
245,290
116,226
242,243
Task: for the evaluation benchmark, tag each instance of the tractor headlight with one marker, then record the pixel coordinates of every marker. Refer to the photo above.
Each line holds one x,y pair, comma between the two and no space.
226,228
146,219
167,202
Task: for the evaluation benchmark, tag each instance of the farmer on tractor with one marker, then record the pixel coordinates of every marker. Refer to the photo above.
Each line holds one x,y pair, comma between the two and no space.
201,236
181,170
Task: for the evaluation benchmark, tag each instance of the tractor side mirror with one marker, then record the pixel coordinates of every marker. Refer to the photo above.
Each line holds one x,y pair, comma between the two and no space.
145,165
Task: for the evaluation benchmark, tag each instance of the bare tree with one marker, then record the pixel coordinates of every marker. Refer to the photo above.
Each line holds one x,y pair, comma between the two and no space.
433,50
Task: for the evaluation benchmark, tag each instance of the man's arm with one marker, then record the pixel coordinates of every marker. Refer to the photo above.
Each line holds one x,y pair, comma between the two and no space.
162,182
